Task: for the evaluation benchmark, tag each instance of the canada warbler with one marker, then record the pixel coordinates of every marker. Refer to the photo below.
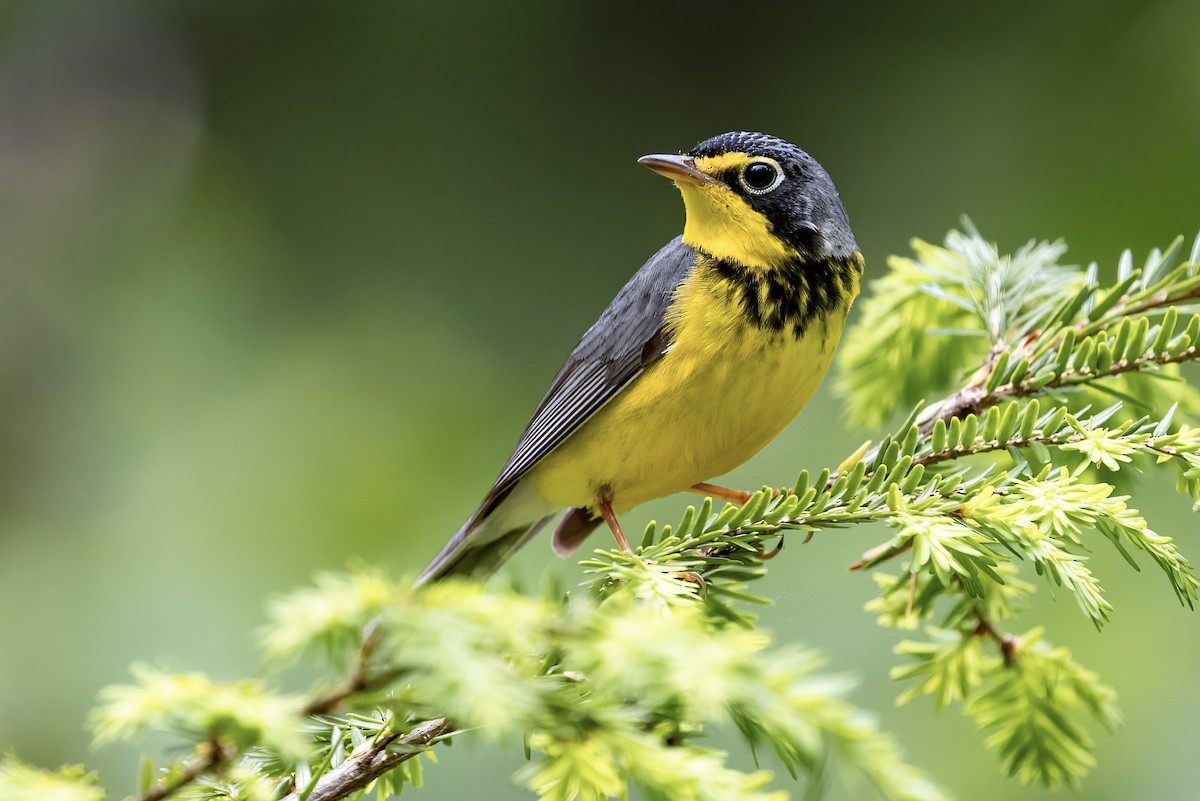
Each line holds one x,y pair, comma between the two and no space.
708,352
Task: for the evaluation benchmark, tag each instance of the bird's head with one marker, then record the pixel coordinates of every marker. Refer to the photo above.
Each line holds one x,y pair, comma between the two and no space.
757,200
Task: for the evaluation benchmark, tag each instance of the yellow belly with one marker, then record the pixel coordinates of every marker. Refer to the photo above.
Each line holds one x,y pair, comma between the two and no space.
725,390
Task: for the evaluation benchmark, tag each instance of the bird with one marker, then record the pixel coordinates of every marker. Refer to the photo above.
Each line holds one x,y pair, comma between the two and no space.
701,359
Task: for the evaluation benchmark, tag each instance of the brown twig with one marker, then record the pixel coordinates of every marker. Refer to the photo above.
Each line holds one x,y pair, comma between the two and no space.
212,757
1157,301
975,399
363,768
1009,644
359,681
1069,378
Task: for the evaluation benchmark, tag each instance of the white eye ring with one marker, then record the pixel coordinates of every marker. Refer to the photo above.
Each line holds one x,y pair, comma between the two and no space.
761,190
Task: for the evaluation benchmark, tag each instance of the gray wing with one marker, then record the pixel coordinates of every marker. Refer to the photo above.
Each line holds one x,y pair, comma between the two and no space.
627,338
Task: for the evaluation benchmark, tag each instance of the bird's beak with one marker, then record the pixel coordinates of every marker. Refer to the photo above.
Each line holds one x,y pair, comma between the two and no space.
680,169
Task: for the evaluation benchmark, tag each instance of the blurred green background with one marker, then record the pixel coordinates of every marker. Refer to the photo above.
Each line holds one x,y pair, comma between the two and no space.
280,282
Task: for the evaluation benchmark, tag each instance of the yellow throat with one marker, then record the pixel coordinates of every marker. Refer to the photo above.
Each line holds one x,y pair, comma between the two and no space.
722,224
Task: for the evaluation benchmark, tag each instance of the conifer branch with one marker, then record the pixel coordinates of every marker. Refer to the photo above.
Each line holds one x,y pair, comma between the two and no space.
383,755
975,399
212,757
1149,302
357,683
1008,643
361,680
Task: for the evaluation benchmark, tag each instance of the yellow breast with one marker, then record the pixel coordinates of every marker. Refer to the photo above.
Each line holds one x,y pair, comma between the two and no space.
725,389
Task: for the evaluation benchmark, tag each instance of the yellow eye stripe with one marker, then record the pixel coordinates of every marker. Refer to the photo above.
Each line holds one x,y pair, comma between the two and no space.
715,165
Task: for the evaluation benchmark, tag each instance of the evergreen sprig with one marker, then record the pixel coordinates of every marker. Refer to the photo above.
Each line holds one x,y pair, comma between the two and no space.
22,782
958,524
1056,384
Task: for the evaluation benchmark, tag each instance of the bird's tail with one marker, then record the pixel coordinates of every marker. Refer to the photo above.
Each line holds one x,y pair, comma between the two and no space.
491,536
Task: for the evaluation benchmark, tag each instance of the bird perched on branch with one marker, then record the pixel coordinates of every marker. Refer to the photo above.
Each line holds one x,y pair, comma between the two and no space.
709,351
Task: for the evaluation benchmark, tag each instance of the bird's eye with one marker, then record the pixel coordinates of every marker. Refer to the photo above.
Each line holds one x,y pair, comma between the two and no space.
760,177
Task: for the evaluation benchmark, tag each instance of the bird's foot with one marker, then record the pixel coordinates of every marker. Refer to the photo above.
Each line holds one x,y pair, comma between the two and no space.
606,511
737,497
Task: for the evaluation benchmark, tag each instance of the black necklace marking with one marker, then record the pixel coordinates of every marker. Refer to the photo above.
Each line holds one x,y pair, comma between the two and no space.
793,294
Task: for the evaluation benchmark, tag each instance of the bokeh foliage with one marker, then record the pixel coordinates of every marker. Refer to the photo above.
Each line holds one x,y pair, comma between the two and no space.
244,333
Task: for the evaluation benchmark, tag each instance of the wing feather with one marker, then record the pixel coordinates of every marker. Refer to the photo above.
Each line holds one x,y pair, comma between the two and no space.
629,336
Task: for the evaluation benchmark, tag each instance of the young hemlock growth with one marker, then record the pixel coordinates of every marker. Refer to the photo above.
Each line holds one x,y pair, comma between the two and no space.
1052,385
